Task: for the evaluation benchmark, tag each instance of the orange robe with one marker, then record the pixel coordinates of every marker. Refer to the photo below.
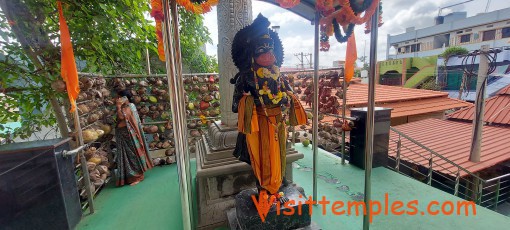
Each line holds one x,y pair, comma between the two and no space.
267,143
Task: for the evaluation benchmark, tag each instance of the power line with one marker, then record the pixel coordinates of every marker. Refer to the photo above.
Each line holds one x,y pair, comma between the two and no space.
301,57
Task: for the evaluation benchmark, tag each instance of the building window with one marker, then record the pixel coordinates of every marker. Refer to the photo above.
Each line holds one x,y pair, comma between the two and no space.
505,32
489,35
465,38
415,47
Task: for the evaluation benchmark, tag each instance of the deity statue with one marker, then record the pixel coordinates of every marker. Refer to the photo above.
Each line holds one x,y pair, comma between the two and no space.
265,104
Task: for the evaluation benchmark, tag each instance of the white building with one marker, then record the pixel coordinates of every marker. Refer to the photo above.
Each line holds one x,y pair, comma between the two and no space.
492,28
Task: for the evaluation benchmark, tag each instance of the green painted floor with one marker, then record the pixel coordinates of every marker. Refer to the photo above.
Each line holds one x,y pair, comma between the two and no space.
345,183
152,204
155,203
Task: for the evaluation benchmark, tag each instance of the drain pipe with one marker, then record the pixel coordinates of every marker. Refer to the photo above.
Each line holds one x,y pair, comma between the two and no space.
369,150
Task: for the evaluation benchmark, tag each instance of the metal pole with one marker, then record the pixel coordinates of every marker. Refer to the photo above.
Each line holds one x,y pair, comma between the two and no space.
481,83
315,121
344,104
83,162
429,175
457,180
147,59
370,114
498,187
399,146
180,91
179,119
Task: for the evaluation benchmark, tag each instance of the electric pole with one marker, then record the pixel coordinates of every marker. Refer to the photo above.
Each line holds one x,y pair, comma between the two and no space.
481,84
301,57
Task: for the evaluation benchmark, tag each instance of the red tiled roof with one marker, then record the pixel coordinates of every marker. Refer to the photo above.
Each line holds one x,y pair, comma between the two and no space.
357,94
453,141
505,91
403,101
497,109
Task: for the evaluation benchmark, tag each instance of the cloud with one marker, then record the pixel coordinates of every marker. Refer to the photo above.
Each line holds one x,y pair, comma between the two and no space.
297,34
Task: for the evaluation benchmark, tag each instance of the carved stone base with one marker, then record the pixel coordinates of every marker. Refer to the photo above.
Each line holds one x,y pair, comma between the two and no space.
222,137
220,176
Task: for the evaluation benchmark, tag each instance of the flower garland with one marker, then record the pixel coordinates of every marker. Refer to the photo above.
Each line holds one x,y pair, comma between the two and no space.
368,25
201,8
274,73
288,3
325,7
346,17
157,14
338,33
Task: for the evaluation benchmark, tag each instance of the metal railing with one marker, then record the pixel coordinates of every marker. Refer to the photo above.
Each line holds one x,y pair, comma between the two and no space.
413,159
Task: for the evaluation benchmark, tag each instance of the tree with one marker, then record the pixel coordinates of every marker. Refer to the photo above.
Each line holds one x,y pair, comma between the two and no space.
109,37
446,55
365,64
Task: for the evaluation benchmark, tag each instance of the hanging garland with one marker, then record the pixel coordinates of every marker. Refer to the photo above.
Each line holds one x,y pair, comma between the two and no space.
325,7
197,6
368,25
286,4
157,14
324,40
347,16
357,8
194,6
338,33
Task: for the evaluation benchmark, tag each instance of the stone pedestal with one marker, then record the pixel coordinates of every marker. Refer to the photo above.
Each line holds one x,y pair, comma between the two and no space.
220,176
222,136
245,214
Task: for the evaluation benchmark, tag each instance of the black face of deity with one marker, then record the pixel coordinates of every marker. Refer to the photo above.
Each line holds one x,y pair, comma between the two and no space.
263,53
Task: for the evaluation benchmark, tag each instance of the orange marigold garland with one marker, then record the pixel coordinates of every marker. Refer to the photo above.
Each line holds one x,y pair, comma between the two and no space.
344,16
288,3
201,8
325,7
157,14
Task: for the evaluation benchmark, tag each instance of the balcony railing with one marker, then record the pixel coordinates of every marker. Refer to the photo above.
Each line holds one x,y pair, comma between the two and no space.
445,174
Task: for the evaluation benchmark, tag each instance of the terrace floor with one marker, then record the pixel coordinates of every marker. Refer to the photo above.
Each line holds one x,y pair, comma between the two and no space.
155,203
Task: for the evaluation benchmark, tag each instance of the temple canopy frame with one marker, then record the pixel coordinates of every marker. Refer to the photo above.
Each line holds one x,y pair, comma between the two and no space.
305,9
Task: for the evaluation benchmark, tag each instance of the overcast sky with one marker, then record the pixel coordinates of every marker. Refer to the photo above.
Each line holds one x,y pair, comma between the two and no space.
297,33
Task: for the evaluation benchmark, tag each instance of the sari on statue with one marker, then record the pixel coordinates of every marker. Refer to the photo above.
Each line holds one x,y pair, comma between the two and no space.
132,149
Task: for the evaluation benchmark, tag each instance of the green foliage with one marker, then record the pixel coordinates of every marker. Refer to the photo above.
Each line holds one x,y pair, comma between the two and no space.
453,51
109,37
193,37
364,60
431,85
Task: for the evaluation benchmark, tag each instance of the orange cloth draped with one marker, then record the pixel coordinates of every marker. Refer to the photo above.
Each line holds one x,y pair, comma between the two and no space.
298,114
68,65
350,58
266,143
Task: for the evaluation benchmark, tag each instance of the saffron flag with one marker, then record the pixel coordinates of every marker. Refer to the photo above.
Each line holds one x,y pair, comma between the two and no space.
350,58
68,65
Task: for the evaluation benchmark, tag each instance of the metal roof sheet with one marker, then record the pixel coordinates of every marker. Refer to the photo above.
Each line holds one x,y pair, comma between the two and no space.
451,140
497,109
403,101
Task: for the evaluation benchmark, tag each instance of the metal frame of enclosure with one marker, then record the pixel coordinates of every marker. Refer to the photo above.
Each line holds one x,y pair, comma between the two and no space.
305,9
